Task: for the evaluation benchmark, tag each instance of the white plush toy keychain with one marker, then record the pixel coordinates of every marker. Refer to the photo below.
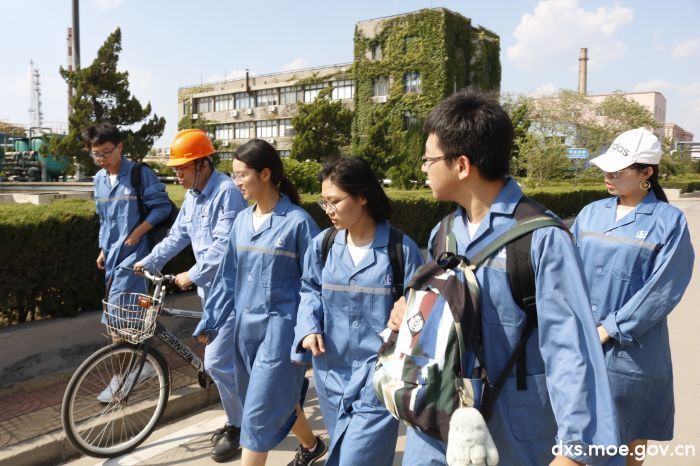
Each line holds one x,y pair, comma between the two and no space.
469,442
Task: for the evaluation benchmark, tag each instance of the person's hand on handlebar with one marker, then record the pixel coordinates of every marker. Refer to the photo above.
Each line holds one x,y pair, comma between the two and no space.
139,268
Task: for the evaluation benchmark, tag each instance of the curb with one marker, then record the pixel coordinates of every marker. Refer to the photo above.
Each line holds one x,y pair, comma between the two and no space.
53,448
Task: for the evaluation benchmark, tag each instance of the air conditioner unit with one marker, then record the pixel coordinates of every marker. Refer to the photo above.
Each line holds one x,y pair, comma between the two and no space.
248,111
195,116
234,113
272,140
271,108
381,99
225,144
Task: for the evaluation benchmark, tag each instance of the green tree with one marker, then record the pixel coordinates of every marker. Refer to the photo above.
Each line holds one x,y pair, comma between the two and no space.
518,108
101,95
544,158
322,127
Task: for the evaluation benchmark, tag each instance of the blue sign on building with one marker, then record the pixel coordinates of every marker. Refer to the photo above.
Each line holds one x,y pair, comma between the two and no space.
577,153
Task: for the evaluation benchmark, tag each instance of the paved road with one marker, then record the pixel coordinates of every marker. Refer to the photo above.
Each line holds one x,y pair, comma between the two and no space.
187,441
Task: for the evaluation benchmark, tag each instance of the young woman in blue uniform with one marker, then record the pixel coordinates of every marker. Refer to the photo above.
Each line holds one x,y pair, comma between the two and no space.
345,304
638,261
259,280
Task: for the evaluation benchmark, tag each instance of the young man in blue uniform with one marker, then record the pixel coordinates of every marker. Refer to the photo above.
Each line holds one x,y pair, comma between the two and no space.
122,237
567,398
205,221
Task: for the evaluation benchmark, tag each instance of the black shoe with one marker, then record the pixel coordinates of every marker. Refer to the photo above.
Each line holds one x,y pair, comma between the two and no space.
216,436
228,446
306,457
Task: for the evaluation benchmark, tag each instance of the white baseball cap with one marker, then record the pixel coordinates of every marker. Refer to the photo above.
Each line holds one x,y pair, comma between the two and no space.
634,146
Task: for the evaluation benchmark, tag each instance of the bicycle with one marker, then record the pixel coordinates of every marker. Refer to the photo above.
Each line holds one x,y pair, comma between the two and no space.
109,429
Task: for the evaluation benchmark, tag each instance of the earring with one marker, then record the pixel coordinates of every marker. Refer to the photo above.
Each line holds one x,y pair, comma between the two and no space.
645,185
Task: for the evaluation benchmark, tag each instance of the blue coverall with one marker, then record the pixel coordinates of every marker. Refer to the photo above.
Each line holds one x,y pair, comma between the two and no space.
119,214
349,305
205,221
637,269
568,397
258,283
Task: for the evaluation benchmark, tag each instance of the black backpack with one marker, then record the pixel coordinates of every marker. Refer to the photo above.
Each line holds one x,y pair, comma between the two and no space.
522,284
160,230
395,250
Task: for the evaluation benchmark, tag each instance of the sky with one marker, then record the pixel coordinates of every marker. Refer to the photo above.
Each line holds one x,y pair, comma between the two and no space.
633,45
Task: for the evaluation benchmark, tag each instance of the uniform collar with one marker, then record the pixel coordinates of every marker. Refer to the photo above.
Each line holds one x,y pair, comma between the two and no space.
125,167
212,183
380,240
646,206
508,199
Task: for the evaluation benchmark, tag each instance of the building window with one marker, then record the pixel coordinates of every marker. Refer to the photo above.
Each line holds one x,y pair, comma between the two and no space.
409,120
224,132
285,153
377,52
409,41
288,95
311,92
223,102
286,128
342,90
380,86
266,97
411,83
186,106
266,129
203,105
244,130
243,100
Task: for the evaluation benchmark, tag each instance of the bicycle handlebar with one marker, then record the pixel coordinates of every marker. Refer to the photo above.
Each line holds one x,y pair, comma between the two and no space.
158,277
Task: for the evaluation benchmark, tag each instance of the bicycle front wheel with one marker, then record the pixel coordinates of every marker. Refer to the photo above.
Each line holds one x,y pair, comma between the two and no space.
107,410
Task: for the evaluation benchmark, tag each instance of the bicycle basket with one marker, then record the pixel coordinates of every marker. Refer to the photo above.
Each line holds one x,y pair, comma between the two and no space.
133,318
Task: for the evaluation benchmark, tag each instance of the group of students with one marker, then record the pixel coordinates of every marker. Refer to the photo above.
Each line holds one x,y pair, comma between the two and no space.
278,294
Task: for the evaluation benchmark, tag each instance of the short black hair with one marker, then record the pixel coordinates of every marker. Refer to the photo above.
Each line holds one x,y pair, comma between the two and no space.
473,124
355,176
100,133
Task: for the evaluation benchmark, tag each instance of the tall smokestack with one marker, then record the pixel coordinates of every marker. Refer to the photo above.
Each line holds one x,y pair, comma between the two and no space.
76,34
70,66
582,71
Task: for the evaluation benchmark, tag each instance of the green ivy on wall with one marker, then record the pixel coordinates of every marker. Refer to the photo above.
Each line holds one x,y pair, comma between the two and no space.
448,53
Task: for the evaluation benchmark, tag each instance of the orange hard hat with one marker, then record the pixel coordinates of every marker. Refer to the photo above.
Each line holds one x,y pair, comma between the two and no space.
189,144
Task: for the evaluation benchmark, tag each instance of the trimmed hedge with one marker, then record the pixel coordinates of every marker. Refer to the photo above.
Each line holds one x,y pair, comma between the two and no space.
48,256
48,252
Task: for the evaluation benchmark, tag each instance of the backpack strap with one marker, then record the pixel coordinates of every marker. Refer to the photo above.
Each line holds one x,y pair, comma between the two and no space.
136,185
444,240
530,217
397,261
328,238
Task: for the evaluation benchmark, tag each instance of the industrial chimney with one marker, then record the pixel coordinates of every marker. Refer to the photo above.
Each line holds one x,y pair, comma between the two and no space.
582,71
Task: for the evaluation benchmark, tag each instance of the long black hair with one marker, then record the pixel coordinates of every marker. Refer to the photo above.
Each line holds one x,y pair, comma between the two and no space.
354,176
259,155
653,180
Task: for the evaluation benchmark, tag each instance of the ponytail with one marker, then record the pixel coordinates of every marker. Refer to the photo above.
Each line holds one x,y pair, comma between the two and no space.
653,180
288,189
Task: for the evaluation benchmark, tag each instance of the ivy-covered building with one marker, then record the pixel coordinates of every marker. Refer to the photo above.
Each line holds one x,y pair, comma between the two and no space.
403,66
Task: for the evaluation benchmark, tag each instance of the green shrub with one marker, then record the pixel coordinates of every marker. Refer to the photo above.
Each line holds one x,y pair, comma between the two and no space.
304,175
48,258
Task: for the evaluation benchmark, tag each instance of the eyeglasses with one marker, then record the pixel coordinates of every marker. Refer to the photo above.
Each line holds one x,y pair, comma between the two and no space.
614,175
102,155
239,176
430,160
332,206
180,168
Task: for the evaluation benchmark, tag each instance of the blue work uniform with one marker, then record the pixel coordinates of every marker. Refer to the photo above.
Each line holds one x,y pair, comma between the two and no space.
205,221
118,209
637,269
349,305
258,283
567,400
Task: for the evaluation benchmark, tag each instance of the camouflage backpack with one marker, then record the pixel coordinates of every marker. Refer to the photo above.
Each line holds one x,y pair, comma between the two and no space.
433,365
